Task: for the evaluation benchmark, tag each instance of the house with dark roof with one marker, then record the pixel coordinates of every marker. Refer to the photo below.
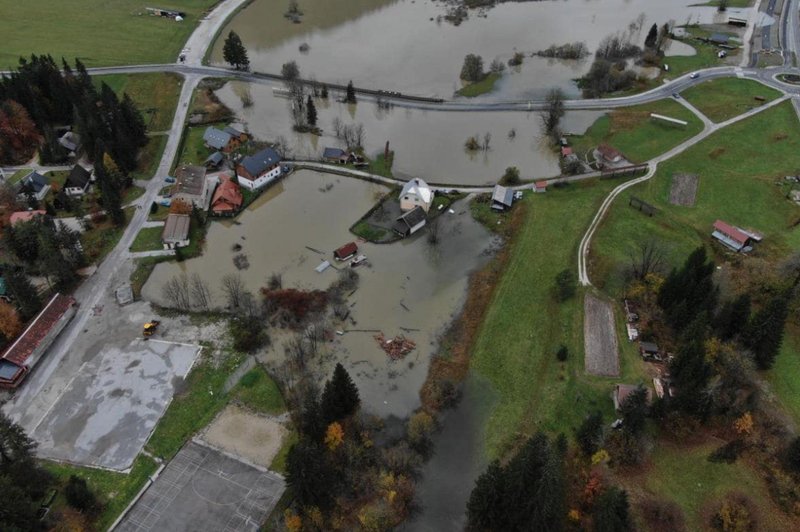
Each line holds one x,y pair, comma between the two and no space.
227,199
214,160
176,231
410,222
33,184
78,181
71,142
336,155
30,346
502,198
733,237
719,38
217,139
192,186
238,136
255,171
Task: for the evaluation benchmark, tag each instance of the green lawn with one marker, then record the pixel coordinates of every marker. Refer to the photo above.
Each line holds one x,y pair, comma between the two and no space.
684,475
705,57
724,98
480,87
279,462
194,406
257,391
784,378
140,274
131,194
737,168
516,345
193,148
160,215
635,134
368,232
98,32
19,174
115,490
155,94
148,239
150,157
103,237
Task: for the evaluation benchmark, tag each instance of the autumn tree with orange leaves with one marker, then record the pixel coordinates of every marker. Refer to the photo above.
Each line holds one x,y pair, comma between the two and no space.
10,324
18,135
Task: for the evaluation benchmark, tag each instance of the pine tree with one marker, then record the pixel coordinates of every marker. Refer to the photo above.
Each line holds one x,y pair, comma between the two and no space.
690,372
612,511
590,434
733,317
234,52
79,496
634,411
312,426
134,123
340,397
324,94
652,37
350,96
309,475
311,112
486,505
109,191
25,294
764,333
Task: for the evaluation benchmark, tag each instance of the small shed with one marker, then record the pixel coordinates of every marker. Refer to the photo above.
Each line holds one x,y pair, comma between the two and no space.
609,154
566,151
410,222
176,231
731,236
540,187
502,198
214,160
648,349
345,252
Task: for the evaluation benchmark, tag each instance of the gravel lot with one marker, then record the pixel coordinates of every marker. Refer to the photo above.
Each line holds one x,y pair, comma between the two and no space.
254,438
683,189
600,338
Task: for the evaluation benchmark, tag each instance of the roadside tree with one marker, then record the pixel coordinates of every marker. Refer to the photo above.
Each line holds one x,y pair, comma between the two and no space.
234,52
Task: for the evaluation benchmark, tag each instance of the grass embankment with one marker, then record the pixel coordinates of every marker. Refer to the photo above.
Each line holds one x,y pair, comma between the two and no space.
257,391
477,88
98,241
635,134
155,94
114,490
148,239
150,157
524,326
784,378
98,32
724,98
738,168
19,174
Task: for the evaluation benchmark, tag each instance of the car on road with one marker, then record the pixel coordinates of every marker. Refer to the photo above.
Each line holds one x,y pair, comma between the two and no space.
676,95
695,75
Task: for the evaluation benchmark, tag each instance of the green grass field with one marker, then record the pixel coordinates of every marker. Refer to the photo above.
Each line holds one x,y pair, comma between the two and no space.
738,168
515,348
155,94
115,490
257,391
148,239
783,378
150,157
483,86
724,98
193,149
635,134
98,32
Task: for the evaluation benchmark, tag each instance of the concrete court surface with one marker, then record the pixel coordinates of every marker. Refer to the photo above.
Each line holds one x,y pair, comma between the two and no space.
201,490
106,413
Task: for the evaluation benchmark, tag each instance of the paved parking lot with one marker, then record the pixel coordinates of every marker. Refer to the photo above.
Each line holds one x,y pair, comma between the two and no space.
108,410
204,490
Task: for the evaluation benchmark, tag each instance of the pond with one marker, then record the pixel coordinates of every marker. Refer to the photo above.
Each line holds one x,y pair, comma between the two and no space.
410,287
427,144
405,46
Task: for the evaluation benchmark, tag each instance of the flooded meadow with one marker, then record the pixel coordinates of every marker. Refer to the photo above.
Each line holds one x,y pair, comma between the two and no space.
427,144
410,288
407,46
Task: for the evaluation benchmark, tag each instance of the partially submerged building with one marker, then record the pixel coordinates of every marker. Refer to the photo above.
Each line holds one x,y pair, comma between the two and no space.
30,346
416,193
410,222
345,252
502,198
256,171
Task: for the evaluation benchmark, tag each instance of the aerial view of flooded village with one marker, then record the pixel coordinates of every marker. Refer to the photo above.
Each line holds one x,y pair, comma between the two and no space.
417,265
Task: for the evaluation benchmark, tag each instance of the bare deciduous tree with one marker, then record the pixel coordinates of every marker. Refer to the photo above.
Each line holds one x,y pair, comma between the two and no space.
487,138
201,293
176,292
233,287
648,258
551,116
275,281
433,231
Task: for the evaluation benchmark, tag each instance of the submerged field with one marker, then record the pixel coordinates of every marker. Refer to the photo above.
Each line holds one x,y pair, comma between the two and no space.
98,32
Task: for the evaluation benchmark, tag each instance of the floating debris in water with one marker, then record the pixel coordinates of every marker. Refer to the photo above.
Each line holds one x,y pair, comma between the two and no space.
397,347
241,262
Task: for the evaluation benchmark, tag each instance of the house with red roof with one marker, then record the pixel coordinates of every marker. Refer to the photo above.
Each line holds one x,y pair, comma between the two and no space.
227,199
540,187
30,346
609,154
25,216
734,237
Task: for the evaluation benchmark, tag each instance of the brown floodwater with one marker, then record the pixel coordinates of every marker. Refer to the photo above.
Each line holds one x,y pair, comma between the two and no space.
427,144
409,285
403,46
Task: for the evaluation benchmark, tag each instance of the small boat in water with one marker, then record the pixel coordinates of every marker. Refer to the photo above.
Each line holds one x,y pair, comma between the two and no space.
358,261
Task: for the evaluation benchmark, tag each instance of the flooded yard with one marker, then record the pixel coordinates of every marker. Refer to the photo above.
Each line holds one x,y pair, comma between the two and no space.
427,144
406,46
410,288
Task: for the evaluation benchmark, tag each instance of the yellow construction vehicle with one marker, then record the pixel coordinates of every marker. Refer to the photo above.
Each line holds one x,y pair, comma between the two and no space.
150,328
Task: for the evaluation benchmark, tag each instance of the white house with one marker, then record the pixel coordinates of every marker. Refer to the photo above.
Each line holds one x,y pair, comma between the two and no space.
257,170
33,185
416,193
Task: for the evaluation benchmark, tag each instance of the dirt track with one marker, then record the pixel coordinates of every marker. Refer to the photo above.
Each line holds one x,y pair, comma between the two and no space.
600,338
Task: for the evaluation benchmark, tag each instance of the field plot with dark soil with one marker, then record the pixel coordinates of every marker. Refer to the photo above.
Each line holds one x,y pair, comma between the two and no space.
600,338
683,189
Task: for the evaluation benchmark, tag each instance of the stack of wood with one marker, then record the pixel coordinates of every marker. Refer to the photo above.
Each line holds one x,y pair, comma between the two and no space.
397,347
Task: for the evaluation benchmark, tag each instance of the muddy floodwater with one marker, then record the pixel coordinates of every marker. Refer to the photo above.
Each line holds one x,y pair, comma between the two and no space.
410,287
427,144
405,45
